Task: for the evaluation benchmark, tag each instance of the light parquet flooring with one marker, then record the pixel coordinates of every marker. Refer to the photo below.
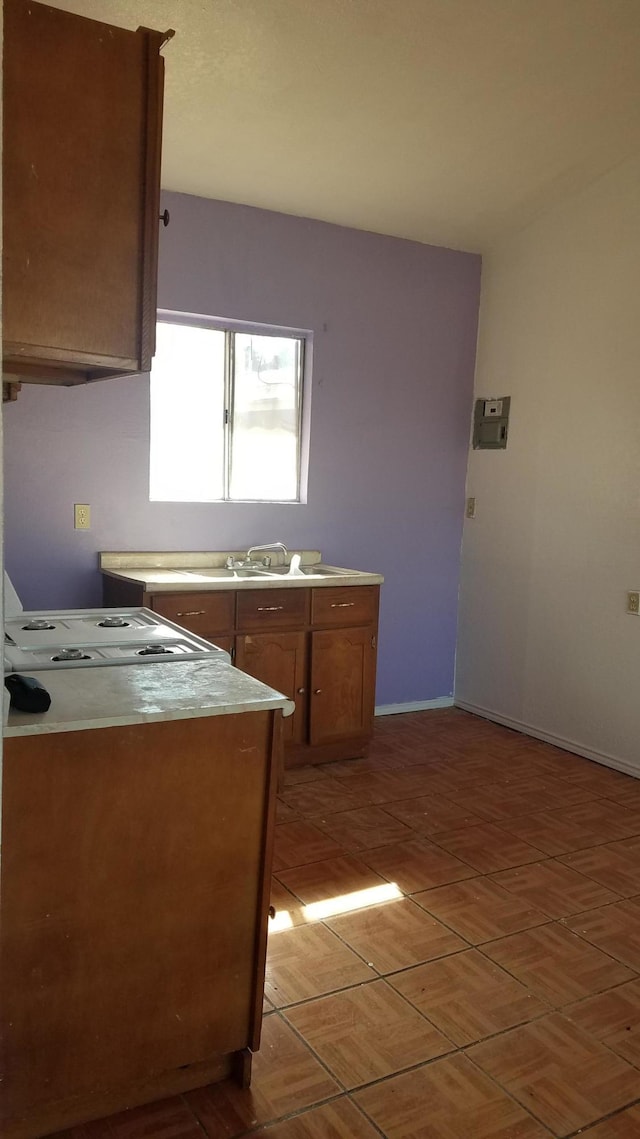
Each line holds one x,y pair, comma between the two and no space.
455,952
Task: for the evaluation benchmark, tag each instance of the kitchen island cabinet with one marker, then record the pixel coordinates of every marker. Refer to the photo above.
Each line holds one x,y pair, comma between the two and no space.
317,644
82,111
138,822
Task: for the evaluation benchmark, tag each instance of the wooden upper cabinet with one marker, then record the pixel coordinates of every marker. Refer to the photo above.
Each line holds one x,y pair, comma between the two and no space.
81,187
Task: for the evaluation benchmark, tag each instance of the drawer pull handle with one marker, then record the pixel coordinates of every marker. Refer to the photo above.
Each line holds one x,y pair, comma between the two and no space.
317,692
342,604
270,608
192,613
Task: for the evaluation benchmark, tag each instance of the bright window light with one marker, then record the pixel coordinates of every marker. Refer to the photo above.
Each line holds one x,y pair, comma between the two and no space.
346,903
340,904
226,415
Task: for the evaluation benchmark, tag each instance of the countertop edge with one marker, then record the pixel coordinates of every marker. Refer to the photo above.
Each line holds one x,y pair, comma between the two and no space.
16,731
183,585
121,695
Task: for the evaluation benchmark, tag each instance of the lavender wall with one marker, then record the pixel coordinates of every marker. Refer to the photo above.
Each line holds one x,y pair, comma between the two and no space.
394,341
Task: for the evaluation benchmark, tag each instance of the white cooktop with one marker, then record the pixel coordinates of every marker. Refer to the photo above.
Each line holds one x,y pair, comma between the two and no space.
80,638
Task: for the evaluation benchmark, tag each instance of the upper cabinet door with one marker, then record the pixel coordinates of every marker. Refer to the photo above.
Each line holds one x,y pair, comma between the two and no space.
81,184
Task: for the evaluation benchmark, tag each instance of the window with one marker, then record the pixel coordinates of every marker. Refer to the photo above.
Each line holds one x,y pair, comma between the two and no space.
226,414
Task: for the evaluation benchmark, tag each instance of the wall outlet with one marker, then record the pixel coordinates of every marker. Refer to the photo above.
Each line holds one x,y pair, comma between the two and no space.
81,516
633,602
471,508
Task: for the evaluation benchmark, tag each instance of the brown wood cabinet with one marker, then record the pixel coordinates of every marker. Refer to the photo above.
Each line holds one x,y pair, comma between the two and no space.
135,890
279,660
317,646
81,183
342,684
210,615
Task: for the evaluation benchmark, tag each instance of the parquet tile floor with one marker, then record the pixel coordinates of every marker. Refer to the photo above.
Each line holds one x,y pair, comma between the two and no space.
455,952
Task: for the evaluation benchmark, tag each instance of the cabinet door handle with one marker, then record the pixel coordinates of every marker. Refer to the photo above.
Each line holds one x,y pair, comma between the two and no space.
192,613
165,218
300,691
342,604
270,608
317,692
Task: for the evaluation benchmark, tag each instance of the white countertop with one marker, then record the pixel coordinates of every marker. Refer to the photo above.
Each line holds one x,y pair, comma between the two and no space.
199,572
83,698
172,581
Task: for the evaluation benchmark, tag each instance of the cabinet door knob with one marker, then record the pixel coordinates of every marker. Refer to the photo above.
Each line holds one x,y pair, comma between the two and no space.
165,218
300,691
317,691
272,911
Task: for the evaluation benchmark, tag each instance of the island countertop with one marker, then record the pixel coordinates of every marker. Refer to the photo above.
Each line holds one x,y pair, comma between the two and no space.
87,698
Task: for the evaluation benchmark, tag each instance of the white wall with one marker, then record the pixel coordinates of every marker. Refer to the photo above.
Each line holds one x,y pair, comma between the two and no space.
544,639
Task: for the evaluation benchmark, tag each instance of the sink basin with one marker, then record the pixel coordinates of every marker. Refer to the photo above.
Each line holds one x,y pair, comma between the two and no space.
302,571
220,573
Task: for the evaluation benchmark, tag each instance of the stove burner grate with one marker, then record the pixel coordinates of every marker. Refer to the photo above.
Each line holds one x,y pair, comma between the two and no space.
38,623
154,650
114,623
71,654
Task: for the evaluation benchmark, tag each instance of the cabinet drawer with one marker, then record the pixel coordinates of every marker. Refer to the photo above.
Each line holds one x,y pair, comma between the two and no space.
349,605
201,613
272,609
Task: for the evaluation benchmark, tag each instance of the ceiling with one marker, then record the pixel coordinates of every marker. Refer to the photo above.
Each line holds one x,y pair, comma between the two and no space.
446,121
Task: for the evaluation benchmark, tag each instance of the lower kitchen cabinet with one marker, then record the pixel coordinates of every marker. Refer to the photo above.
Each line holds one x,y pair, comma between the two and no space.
342,685
279,660
330,675
210,615
317,646
329,670
135,890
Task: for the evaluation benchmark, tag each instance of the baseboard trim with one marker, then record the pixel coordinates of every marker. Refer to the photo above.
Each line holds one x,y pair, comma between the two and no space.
415,706
606,760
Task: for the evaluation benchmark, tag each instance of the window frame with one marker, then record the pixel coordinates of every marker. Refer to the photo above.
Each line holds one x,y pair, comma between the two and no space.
230,328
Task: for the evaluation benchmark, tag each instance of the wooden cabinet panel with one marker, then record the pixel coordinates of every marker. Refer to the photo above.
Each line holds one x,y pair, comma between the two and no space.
81,169
342,684
272,609
203,613
279,660
297,641
346,605
135,877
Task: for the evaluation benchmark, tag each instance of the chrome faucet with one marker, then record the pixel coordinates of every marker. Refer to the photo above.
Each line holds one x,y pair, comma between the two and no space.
248,560
268,546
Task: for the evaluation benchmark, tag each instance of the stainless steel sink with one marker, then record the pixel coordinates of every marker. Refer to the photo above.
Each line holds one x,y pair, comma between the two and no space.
221,573
304,571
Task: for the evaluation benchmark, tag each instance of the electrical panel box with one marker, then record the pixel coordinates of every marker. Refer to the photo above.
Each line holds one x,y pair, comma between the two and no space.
491,423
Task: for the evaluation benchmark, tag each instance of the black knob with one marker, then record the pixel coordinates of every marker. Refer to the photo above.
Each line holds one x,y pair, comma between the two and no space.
165,218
